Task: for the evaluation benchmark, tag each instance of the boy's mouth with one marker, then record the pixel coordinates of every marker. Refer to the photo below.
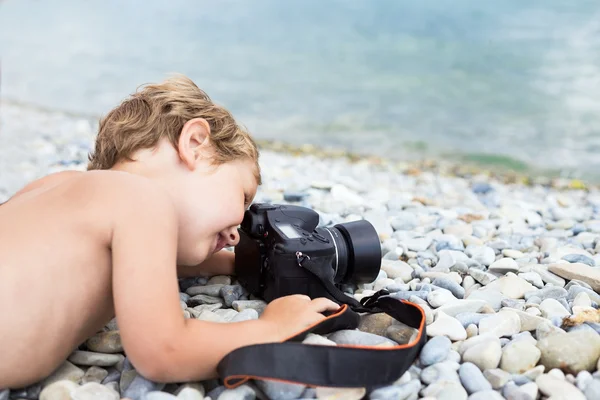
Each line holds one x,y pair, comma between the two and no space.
220,243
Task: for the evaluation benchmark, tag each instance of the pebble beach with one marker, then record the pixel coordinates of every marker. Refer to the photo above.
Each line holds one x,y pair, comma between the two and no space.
506,270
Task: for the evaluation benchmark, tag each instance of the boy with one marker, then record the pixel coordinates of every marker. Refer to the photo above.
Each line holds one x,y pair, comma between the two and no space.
167,185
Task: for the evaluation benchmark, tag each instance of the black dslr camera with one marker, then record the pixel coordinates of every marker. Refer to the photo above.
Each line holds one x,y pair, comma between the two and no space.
282,252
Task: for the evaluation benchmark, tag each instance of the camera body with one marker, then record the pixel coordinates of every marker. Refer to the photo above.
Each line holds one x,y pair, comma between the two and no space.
281,247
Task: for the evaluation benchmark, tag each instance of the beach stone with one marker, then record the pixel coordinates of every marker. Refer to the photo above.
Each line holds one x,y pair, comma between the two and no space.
529,322
203,299
472,330
210,316
440,297
453,356
485,355
397,392
80,357
550,292
583,272
94,391
59,390
376,324
243,392
532,277
435,350
354,337
315,339
190,391
512,286
417,244
397,269
331,393
579,258
209,290
583,378
572,352
404,221
231,293
400,333
444,325
219,280
482,254
486,395
492,297
113,375
582,300
519,356
258,305
575,290
66,371
245,315
156,395
592,389
528,391
472,379
459,230
551,308
94,374
504,265
497,377
557,388
204,307
458,307
546,329
448,284
105,342
226,313
444,371
139,387
482,277
504,323
470,318
446,390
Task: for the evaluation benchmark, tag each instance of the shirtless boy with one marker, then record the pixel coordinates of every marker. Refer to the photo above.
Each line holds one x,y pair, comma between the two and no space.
167,185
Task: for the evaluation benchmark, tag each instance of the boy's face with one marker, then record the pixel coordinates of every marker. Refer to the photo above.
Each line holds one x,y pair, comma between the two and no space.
212,208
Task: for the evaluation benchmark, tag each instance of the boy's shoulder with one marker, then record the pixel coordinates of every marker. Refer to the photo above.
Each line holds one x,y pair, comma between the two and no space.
114,192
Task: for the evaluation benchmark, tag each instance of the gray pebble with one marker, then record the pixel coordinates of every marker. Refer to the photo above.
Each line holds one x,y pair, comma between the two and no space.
140,386
203,299
245,315
4,393
396,392
354,337
468,318
435,350
592,389
216,392
280,390
243,392
472,379
80,357
583,378
579,258
422,294
575,290
457,290
258,305
438,372
157,395
486,395
114,375
184,297
549,292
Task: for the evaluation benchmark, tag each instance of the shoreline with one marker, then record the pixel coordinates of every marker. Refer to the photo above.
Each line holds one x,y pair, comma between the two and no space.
442,165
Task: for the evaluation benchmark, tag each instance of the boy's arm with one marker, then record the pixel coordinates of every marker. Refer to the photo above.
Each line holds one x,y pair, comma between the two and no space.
220,263
161,344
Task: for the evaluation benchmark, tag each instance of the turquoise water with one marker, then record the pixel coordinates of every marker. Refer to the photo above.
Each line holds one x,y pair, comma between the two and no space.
510,81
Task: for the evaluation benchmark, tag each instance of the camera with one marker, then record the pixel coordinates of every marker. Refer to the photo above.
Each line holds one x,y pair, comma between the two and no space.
282,251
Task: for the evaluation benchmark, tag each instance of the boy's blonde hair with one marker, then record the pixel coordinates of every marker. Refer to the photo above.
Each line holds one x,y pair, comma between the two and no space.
159,111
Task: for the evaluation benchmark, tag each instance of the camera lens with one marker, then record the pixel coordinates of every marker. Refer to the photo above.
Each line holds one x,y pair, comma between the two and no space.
358,252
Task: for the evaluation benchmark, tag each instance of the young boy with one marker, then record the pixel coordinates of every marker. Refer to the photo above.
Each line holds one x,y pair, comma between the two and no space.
167,185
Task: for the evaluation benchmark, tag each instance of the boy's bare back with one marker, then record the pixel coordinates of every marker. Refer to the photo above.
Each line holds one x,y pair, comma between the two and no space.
169,181
55,270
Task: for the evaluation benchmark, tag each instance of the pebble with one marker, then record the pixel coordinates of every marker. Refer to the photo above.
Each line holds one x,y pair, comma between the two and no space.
444,371
486,395
354,337
94,374
551,308
484,355
66,371
404,391
257,305
592,389
203,299
219,280
557,388
497,377
458,307
94,391
446,390
583,272
574,351
445,325
397,269
435,350
139,387
440,297
209,290
245,315
231,293
105,342
519,356
472,379
504,265
59,390
482,254
448,284
80,357
512,286
504,323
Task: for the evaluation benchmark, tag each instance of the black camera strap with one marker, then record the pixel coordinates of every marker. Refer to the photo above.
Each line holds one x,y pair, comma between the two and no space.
334,366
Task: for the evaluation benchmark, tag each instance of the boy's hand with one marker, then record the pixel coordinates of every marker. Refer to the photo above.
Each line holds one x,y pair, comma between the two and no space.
291,314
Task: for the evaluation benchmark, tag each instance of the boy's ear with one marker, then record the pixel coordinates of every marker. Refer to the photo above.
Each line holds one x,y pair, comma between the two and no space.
194,141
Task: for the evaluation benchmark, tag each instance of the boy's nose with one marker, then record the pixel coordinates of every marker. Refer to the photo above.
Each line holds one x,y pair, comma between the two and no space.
232,236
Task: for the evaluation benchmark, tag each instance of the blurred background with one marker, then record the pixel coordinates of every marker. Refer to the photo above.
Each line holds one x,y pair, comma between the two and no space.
506,83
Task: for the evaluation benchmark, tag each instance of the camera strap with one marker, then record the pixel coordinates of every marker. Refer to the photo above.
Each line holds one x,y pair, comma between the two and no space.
343,365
